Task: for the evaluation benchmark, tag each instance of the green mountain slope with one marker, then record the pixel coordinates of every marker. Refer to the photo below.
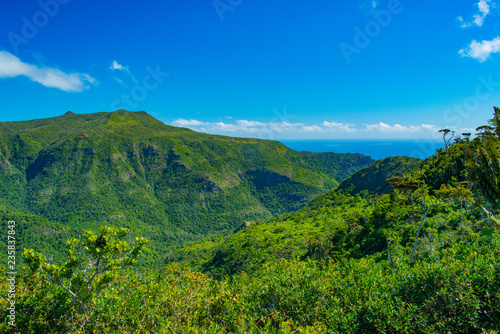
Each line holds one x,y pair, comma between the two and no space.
339,225
422,259
32,231
171,184
373,178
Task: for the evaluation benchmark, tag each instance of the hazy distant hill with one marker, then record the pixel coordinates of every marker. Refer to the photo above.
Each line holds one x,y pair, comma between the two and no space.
171,184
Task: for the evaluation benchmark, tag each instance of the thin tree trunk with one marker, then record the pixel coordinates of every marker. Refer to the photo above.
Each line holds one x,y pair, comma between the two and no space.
419,228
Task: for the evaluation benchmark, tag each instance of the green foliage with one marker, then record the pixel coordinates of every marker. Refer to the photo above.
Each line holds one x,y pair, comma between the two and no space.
336,226
435,197
373,179
484,167
486,170
456,290
32,231
459,193
194,254
91,266
171,185
423,258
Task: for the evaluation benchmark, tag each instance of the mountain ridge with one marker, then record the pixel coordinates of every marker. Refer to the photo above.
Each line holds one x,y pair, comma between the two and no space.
128,168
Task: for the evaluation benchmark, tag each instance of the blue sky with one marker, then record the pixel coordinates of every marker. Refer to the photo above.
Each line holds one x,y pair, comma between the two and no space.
274,70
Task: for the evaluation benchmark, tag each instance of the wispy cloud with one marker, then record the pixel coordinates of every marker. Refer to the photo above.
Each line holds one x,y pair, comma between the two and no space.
341,127
484,10
11,66
188,123
397,128
269,130
120,82
478,18
312,128
481,50
116,66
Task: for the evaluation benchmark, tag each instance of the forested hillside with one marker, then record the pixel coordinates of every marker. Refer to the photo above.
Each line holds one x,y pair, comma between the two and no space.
373,179
423,258
169,184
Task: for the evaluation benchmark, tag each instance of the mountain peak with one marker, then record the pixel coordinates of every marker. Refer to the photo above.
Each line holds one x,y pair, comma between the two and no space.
121,115
128,112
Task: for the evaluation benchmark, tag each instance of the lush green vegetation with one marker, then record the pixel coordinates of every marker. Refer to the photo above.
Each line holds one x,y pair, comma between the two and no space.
38,233
373,179
423,258
169,184
454,290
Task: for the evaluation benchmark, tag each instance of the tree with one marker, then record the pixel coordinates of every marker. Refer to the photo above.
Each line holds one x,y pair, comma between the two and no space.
458,194
450,194
419,228
445,133
406,184
91,265
483,164
484,131
495,121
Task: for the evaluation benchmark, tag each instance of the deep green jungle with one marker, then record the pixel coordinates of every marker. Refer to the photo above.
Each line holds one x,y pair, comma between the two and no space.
119,223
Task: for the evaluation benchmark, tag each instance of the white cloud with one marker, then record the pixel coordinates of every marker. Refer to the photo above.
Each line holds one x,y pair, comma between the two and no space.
88,78
380,127
340,127
481,50
325,129
241,127
484,9
221,126
398,128
245,123
11,66
116,66
120,82
430,127
463,24
313,128
188,123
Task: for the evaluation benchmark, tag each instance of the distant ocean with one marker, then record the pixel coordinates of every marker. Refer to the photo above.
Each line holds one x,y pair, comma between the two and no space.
376,148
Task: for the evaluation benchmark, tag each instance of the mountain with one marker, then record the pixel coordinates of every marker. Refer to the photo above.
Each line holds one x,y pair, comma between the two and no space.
373,177
170,184
344,224
421,259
